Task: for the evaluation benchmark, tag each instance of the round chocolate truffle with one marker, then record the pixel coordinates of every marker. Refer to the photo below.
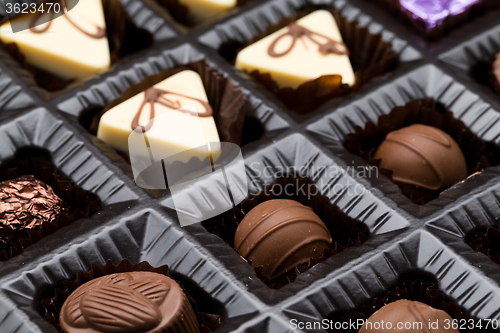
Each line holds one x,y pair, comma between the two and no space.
280,234
422,156
405,316
129,302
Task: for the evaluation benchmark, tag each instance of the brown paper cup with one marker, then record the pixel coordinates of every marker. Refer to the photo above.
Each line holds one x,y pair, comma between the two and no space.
364,142
117,24
346,232
414,290
52,306
81,203
370,56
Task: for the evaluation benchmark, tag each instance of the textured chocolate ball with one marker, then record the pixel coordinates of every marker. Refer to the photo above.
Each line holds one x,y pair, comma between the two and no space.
26,203
129,302
280,234
411,316
422,156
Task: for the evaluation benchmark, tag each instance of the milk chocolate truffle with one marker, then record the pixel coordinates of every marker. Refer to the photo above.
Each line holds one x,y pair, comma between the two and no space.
27,203
280,234
144,302
414,317
422,156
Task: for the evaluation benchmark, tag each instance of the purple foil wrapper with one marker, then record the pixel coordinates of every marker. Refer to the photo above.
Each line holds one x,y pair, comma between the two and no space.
431,13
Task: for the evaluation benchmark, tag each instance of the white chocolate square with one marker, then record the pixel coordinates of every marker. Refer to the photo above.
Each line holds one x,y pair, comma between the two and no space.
63,49
304,62
203,10
173,131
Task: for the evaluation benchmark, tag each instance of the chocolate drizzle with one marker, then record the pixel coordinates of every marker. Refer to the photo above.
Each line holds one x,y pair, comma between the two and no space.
100,33
154,95
298,32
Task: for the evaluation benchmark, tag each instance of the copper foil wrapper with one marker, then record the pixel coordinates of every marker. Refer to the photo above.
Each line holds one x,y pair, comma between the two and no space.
117,23
27,203
346,232
76,204
448,24
415,290
52,306
365,141
370,56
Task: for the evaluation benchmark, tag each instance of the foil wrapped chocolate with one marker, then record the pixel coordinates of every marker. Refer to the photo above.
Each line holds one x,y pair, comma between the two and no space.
27,203
432,13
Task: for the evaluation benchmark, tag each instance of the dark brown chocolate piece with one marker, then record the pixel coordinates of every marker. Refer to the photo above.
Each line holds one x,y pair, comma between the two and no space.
100,32
297,32
129,302
279,235
496,67
411,316
27,203
422,156
154,95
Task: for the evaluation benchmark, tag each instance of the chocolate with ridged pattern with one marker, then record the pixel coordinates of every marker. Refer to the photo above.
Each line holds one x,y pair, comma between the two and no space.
129,302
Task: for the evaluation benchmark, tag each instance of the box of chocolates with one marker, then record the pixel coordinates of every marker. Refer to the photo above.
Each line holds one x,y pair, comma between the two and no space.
195,166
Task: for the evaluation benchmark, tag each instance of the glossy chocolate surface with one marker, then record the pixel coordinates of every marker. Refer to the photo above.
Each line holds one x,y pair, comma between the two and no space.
129,302
422,156
415,316
27,203
280,234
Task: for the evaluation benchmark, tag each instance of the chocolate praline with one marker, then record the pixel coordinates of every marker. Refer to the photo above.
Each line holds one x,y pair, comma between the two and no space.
422,156
279,235
411,316
27,203
144,302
